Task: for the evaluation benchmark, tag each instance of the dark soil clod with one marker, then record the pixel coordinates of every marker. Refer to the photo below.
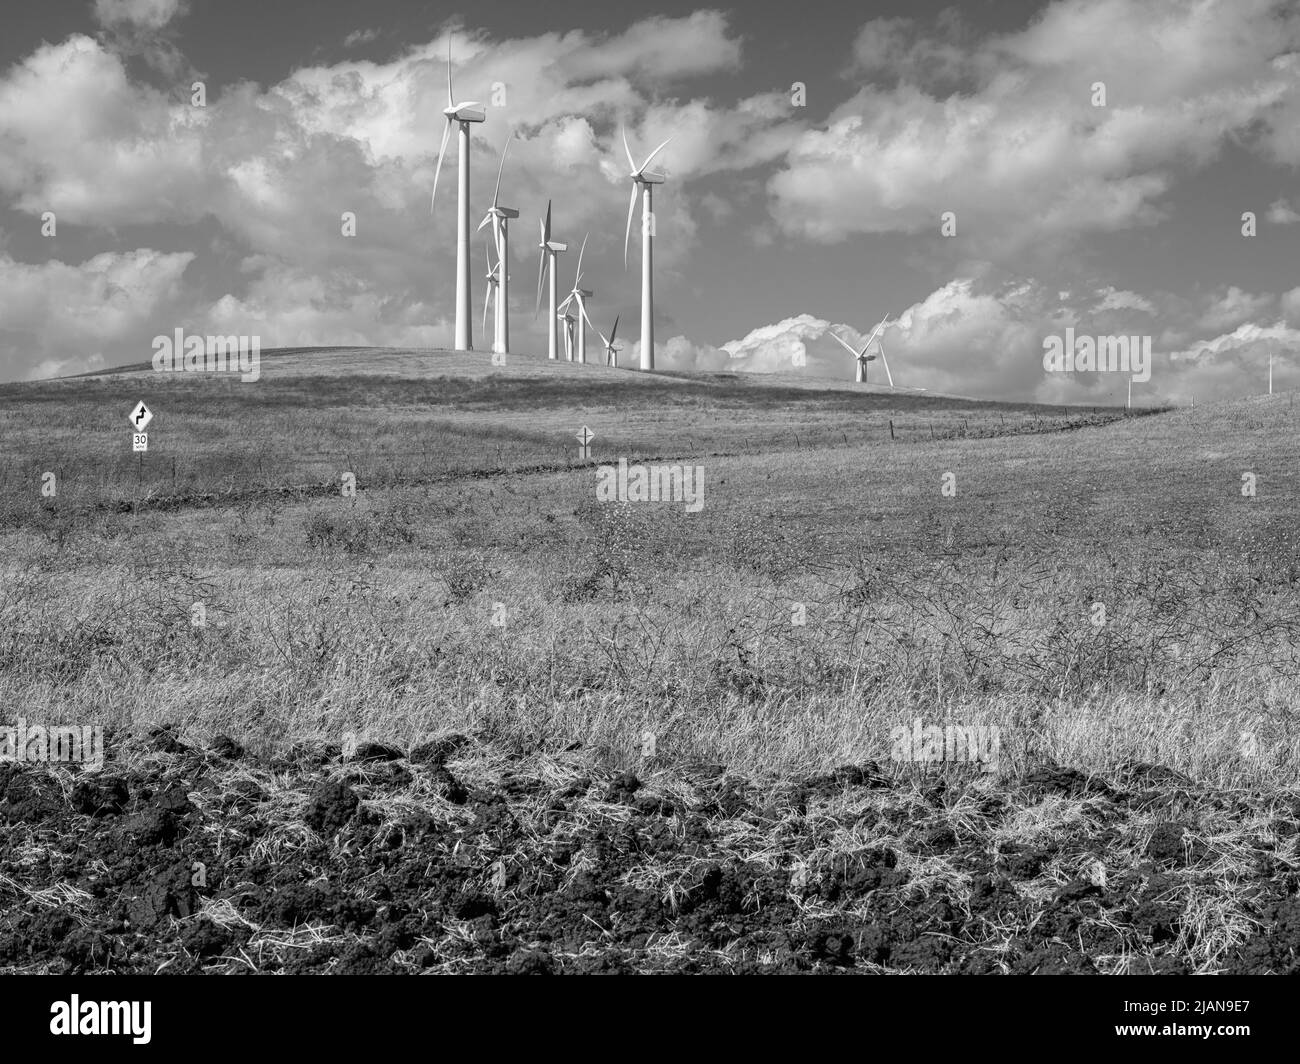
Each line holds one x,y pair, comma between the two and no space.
536,869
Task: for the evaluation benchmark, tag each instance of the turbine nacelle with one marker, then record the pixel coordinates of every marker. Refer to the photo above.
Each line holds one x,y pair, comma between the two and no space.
497,215
578,295
464,112
649,177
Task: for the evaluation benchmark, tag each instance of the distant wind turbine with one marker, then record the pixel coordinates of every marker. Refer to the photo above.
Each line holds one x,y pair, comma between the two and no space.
566,320
579,295
861,355
546,266
643,181
500,218
494,280
611,349
461,114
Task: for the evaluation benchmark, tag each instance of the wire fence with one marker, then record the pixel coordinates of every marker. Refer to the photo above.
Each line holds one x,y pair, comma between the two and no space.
187,479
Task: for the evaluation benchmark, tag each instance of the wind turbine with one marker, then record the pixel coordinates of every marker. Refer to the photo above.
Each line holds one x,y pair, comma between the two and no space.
462,114
611,349
567,319
862,356
580,296
500,218
493,279
644,181
546,265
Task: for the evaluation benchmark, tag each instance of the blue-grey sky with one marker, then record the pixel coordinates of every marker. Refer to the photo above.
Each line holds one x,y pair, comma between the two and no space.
781,216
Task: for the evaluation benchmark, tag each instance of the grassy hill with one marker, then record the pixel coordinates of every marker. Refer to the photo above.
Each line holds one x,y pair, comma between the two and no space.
471,492
1095,587
401,417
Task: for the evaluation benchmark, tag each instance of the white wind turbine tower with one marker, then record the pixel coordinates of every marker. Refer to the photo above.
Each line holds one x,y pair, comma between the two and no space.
546,265
861,355
500,218
644,181
611,349
462,114
579,295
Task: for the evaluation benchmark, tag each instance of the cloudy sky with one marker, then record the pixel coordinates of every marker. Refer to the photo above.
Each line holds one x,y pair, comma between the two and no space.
1094,157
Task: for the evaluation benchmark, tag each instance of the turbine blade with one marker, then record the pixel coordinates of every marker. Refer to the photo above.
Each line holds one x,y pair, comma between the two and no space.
541,271
486,299
546,229
630,163
581,251
614,331
653,154
582,307
876,332
631,206
486,218
843,343
886,362
497,191
446,132
450,100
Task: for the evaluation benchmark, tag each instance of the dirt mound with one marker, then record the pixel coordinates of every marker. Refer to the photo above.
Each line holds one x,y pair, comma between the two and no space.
458,858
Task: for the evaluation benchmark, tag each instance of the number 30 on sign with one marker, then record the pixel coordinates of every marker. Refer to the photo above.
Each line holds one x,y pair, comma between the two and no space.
139,441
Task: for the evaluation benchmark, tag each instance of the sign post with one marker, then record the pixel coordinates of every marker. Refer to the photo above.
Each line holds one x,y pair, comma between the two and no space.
140,417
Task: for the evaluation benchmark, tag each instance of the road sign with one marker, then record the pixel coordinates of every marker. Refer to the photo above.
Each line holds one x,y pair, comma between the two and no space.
139,441
584,438
141,416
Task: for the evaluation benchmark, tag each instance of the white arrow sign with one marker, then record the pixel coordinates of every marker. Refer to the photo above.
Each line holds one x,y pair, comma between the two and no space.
141,416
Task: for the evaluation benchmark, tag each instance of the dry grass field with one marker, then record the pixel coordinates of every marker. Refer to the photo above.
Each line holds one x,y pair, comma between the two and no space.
628,736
